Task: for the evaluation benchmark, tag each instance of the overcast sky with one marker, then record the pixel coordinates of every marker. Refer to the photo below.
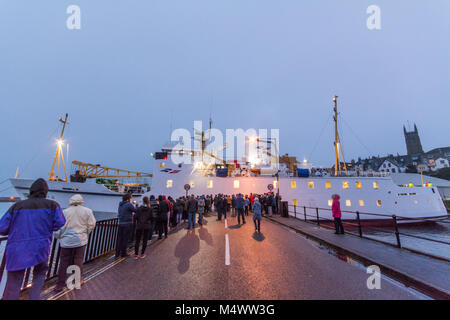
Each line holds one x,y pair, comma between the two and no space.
135,65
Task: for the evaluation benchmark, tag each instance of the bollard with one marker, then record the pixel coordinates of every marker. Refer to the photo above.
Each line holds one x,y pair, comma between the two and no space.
295,211
304,211
359,224
317,214
397,235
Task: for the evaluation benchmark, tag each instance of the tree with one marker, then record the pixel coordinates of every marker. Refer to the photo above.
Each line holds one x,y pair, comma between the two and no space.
411,169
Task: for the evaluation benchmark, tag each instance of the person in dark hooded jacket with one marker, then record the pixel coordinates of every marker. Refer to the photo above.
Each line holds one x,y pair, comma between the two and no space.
143,220
164,210
29,225
126,210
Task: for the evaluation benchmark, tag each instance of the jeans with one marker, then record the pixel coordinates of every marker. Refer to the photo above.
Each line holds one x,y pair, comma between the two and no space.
15,279
123,236
141,233
191,220
200,218
259,224
338,225
246,210
179,217
68,257
240,212
163,227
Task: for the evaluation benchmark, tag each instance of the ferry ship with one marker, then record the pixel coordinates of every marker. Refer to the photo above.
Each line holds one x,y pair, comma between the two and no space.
103,196
375,196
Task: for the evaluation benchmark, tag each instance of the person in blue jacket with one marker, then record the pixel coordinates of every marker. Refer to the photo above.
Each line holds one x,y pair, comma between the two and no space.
29,225
126,210
240,203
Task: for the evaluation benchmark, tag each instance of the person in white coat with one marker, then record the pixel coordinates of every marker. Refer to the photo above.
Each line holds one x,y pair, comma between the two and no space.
73,237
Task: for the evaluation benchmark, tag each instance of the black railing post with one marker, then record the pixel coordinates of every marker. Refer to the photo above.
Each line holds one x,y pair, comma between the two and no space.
295,210
359,224
397,235
317,214
304,211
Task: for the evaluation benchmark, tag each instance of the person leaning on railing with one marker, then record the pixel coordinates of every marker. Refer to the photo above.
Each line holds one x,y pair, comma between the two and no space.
73,237
29,225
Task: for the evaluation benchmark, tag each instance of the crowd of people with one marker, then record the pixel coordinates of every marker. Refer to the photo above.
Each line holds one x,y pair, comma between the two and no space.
31,224
155,216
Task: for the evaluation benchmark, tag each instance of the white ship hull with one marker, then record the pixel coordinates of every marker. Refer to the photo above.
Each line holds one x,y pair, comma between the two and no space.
96,196
375,195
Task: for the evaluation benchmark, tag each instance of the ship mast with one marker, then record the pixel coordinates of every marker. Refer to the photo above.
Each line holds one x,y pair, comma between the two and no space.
337,143
59,155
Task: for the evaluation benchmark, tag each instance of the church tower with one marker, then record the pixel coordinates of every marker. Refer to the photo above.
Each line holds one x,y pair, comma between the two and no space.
412,139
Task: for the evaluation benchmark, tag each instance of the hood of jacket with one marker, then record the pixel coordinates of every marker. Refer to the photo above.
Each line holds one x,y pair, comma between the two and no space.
39,189
76,200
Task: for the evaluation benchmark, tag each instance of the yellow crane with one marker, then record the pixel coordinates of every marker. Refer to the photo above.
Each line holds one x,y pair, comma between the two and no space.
89,171
59,155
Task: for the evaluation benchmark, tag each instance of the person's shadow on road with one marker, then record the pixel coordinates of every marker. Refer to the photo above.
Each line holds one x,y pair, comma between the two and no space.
186,248
258,236
205,236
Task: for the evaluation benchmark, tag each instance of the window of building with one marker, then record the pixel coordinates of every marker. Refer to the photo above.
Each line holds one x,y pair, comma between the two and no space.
358,184
361,203
378,203
345,184
310,184
236,184
330,203
393,170
348,203
191,183
293,184
376,185
389,165
169,183
328,184
295,202
209,184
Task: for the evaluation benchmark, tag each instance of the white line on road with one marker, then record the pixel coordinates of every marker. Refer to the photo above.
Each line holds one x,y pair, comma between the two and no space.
226,225
227,250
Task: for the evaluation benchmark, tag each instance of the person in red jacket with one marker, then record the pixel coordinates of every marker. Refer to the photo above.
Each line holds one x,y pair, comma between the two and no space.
337,215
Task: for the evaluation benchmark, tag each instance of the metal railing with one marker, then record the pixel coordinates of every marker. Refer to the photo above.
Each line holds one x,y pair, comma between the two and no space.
304,213
101,241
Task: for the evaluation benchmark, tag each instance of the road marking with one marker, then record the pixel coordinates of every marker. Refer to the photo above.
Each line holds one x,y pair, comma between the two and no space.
226,225
227,250
90,277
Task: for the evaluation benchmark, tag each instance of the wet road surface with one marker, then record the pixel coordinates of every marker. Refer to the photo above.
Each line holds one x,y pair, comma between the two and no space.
198,264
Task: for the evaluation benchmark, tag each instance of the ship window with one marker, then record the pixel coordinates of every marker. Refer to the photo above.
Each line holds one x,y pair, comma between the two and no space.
162,164
358,184
294,202
348,203
378,203
361,203
209,185
191,183
275,184
236,184
345,184
293,184
169,183
376,185
328,184
330,202
310,184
